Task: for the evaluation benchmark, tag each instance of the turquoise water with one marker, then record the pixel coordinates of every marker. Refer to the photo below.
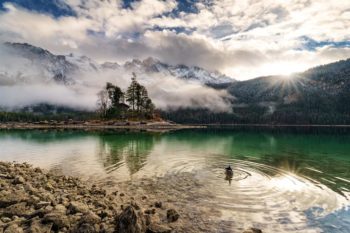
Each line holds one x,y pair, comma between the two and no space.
285,180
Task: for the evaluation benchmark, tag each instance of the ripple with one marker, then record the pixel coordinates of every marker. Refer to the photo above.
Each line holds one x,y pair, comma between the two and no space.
256,193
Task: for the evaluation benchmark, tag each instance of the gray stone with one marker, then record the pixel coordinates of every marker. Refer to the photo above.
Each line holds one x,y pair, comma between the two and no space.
60,208
77,207
19,180
13,228
42,204
18,209
8,198
90,218
86,228
157,228
5,219
37,227
58,219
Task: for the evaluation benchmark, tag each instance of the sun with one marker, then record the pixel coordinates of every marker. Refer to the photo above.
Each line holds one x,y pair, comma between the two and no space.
283,68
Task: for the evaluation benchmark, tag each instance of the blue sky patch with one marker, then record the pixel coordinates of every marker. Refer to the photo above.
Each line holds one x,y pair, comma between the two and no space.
176,29
55,8
127,3
311,44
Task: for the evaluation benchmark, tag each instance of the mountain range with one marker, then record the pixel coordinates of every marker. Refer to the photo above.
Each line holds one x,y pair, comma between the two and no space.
320,95
61,68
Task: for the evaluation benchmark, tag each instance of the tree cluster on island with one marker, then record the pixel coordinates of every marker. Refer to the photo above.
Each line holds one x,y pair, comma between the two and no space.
134,103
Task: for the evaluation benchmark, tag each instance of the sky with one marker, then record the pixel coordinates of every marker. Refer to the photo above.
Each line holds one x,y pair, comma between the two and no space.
240,38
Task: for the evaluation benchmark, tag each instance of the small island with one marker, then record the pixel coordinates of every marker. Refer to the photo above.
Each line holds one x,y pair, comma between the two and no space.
116,109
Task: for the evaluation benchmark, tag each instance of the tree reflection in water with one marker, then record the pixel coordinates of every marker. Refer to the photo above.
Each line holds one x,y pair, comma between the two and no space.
129,149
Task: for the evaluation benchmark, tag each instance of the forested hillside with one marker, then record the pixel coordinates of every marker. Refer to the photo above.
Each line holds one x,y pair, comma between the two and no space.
320,95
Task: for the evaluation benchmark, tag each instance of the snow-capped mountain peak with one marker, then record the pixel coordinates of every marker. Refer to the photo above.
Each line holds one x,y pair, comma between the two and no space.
61,68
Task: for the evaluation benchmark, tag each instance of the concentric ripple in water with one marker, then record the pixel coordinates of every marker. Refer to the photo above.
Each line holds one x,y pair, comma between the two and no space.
271,198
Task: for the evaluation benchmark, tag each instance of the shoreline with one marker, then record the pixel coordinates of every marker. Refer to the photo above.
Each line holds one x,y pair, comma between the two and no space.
275,125
153,126
33,200
36,201
148,126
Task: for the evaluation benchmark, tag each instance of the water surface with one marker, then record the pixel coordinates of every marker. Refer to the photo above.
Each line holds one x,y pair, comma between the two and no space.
284,180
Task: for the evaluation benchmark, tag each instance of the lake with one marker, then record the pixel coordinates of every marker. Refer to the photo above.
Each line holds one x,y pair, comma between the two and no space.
284,179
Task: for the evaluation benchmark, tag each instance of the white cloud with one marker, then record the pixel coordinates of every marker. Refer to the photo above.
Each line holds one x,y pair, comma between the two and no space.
244,39
24,95
24,82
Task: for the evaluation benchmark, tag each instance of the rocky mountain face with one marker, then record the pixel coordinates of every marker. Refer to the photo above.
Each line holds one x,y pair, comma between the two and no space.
55,67
61,68
194,73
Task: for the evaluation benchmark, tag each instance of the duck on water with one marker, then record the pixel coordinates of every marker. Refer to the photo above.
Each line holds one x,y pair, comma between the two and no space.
228,173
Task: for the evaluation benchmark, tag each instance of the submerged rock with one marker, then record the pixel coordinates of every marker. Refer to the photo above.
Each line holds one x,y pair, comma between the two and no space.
130,221
158,204
252,230
172,215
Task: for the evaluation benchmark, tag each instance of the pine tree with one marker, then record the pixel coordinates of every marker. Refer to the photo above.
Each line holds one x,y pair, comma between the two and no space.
144,98
118,96
132,92
149,108
115,94
110,90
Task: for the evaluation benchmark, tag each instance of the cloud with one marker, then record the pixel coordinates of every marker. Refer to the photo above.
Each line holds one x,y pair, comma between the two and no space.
25,82
243,39
17,96
167,92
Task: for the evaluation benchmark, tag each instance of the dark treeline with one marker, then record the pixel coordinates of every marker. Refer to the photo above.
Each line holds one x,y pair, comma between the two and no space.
36,117
135,103
257,115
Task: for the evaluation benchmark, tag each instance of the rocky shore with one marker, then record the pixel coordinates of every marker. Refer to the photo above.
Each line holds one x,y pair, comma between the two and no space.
36,201
32,200
96,125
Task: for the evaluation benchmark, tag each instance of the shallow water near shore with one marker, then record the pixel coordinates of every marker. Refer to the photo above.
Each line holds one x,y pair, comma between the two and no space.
284,180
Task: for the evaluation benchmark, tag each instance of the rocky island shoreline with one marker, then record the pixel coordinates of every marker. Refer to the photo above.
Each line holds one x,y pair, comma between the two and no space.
97,125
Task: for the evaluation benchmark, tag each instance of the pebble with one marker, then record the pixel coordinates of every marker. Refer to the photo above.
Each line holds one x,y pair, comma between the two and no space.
33,201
